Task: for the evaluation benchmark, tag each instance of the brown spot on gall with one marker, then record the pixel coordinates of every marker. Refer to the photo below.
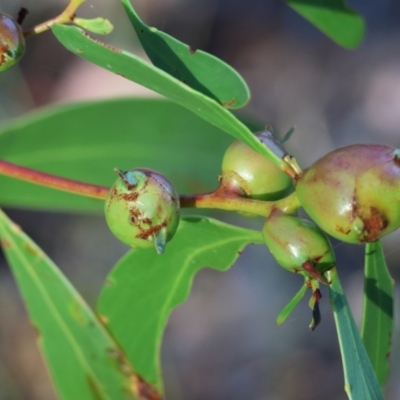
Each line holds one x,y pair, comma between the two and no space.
342,230
151,231
131,196
374,224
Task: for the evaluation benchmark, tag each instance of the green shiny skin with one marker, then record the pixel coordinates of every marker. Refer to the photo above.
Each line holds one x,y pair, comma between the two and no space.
294,241
353,193
12,42
249,173
142,209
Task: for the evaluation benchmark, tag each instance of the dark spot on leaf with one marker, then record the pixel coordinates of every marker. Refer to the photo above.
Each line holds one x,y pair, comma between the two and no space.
122,362
77,314
94,388
229,103
37,331
191,50
32,250
146,391
5,244
106,45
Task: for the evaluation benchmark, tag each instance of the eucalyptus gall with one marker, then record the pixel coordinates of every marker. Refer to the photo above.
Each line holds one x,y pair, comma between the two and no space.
142,209
248,173
353,193
12,42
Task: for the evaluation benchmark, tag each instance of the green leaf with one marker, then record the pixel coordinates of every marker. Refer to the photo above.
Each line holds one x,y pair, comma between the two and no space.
342,24
137,70
143,288
360,379
377,326
197,69
287,310
83,359
101,26
86,141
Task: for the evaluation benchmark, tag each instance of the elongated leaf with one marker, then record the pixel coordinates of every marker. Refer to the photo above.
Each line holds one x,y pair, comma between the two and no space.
143,288
137,70
377,326
342,24
83,359
199,70
288,309
360,379
86,141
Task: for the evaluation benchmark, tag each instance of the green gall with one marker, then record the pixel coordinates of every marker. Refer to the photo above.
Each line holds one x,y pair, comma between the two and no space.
353,193
298,245
12,42
142,209
248,173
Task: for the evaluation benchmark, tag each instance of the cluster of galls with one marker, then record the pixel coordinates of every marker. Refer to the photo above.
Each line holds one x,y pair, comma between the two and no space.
297,244
352,193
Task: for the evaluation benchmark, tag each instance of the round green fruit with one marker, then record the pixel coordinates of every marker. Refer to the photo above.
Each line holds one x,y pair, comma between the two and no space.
12,42
248,173
142,209
353,193
298,245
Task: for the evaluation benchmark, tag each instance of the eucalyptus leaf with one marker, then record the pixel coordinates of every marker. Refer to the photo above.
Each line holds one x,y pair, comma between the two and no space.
83,359
137,70
288,309
361,382
87,141
377,325
144,287
332,17
197,69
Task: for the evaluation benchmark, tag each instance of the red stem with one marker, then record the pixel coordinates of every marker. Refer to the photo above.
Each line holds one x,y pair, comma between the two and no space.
53,181
222,198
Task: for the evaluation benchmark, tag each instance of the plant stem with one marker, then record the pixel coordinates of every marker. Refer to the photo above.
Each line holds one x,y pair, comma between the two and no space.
65,17
221,199
233,202
52,181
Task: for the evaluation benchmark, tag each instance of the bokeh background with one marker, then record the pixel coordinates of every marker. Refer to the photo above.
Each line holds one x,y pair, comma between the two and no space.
223,343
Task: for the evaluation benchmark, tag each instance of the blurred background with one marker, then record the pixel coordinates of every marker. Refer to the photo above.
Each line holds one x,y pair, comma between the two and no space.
223,343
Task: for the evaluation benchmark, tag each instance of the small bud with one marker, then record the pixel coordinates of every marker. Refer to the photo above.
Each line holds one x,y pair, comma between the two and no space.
142,209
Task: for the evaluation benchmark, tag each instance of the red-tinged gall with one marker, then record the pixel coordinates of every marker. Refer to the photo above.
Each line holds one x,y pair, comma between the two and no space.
353,193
